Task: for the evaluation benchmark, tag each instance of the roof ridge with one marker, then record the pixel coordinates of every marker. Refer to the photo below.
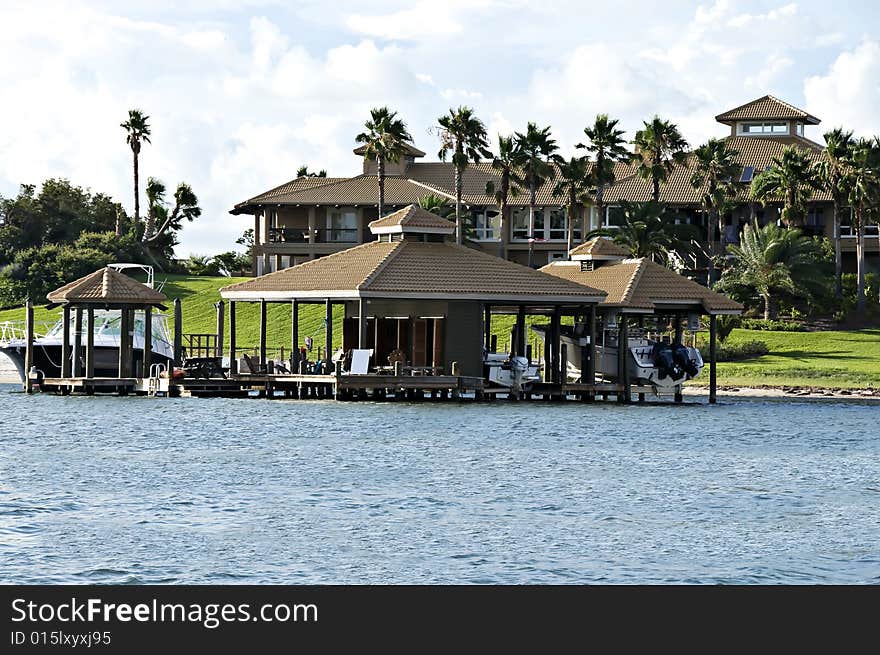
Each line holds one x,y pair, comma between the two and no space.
390,255
633,280
296,179
430,188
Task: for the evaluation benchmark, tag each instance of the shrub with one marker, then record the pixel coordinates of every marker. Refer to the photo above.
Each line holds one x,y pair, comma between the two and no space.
739,350
771,325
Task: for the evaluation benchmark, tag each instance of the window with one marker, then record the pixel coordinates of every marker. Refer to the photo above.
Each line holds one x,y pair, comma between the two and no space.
550,224
341,225
763,128
747,174
800,129
486,224
614,217
815,218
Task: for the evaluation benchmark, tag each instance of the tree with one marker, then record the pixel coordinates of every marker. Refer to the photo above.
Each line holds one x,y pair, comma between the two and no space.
537,150
789,178
508,163
647,231
659,148
862,178
715,169
155,204
771,260
573,185
436,205
186,207
385,141
463,135
830,172
303,171
607,145
137,131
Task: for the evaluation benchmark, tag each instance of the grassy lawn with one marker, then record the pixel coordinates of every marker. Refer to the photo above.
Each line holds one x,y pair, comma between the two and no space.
829,359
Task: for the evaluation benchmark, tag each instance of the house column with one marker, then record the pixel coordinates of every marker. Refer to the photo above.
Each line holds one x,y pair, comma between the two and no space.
312,226
257,242
359,236
713,378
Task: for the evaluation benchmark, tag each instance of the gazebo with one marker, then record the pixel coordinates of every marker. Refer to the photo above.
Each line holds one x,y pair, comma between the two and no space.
106,289
411,290
637,288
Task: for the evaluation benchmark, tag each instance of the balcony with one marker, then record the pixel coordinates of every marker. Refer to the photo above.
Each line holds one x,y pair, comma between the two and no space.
299,235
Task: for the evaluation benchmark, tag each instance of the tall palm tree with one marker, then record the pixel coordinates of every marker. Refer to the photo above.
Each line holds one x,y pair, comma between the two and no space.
303,171
830,171
715,169
659,147
648,231
537,149
789,177
464,135
137,131
863,181
508,162
574,185
155,202
771,260
385,141
607,145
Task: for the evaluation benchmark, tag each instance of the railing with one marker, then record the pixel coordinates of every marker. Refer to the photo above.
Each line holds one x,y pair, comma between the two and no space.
15,330
200,345
301,235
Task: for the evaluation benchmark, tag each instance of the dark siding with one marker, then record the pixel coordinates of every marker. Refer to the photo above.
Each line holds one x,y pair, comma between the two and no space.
464,337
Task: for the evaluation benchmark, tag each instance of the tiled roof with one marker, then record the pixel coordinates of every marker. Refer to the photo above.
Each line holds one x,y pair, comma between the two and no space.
413,268
599,247
643,285
294,185
766,108
359,190
106,286
410,150
413,216
753,151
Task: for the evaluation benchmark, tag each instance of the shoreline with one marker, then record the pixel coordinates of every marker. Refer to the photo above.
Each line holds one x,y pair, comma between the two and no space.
766,391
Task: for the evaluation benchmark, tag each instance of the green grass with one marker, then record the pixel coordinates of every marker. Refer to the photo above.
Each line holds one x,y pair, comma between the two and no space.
830,359
835,359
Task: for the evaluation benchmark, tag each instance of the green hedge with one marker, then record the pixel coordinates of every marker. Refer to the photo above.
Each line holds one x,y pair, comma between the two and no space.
774,326
740,350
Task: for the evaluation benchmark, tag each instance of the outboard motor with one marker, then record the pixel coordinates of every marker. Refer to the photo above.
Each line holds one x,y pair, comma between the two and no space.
682,358
664,359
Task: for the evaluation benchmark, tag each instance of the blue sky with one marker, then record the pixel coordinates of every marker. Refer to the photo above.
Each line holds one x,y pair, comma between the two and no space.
241,93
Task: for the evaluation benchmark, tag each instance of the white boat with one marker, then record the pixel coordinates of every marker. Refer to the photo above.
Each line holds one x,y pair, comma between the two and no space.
662,365
48,346
510,372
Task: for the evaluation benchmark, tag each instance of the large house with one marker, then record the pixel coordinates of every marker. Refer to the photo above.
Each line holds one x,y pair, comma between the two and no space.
309,217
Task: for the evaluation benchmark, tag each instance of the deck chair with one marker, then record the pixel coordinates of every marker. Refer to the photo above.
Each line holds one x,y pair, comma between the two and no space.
254,369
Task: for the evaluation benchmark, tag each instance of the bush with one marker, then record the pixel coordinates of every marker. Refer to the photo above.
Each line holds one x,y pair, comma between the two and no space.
774,326
739,350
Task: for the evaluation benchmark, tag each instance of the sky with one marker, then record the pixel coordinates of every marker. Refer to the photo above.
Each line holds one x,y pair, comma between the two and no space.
240,94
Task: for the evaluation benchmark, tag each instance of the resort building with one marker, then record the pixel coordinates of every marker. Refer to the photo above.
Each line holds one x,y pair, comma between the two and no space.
310,217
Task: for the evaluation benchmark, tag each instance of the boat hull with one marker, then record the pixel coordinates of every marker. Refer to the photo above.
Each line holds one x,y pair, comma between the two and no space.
47,360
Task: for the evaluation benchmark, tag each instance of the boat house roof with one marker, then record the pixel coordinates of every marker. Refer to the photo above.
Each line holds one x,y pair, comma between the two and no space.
640,285
106,287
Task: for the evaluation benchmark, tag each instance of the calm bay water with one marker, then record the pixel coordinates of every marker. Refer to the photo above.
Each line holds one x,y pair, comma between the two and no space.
139,490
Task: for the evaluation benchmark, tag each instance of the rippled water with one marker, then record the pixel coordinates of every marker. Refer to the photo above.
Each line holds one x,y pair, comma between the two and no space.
209,491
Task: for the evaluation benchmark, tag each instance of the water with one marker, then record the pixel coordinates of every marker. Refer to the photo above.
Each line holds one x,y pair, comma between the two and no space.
139,490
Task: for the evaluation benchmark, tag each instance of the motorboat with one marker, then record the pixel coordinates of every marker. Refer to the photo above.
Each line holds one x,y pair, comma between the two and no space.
510,371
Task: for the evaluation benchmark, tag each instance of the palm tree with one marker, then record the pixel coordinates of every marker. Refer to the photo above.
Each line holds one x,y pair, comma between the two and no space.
385,141
574,186
862,178
303,171
659,147
789,177
186,206
607,145
436,205
137,131
830,171
537,150
772,260
715,169
508,162
464,135
155,203
647,231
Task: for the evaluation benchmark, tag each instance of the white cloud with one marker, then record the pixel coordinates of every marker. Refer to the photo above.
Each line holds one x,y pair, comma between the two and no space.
775,66
424,20
849,93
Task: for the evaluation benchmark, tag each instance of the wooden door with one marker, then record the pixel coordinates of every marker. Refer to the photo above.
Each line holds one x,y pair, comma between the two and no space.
439,336
420,345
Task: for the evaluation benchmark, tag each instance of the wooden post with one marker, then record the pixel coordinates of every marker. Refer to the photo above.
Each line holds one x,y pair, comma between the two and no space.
487,327
262,331
233,362
90,342
328,332
221,324
493,344
554,345
29,345
362,326
77,342
548,359
591,369
678,329
713,379
123,333
623,359
563,363
521,331
294,334
65,342
148,341
178,332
